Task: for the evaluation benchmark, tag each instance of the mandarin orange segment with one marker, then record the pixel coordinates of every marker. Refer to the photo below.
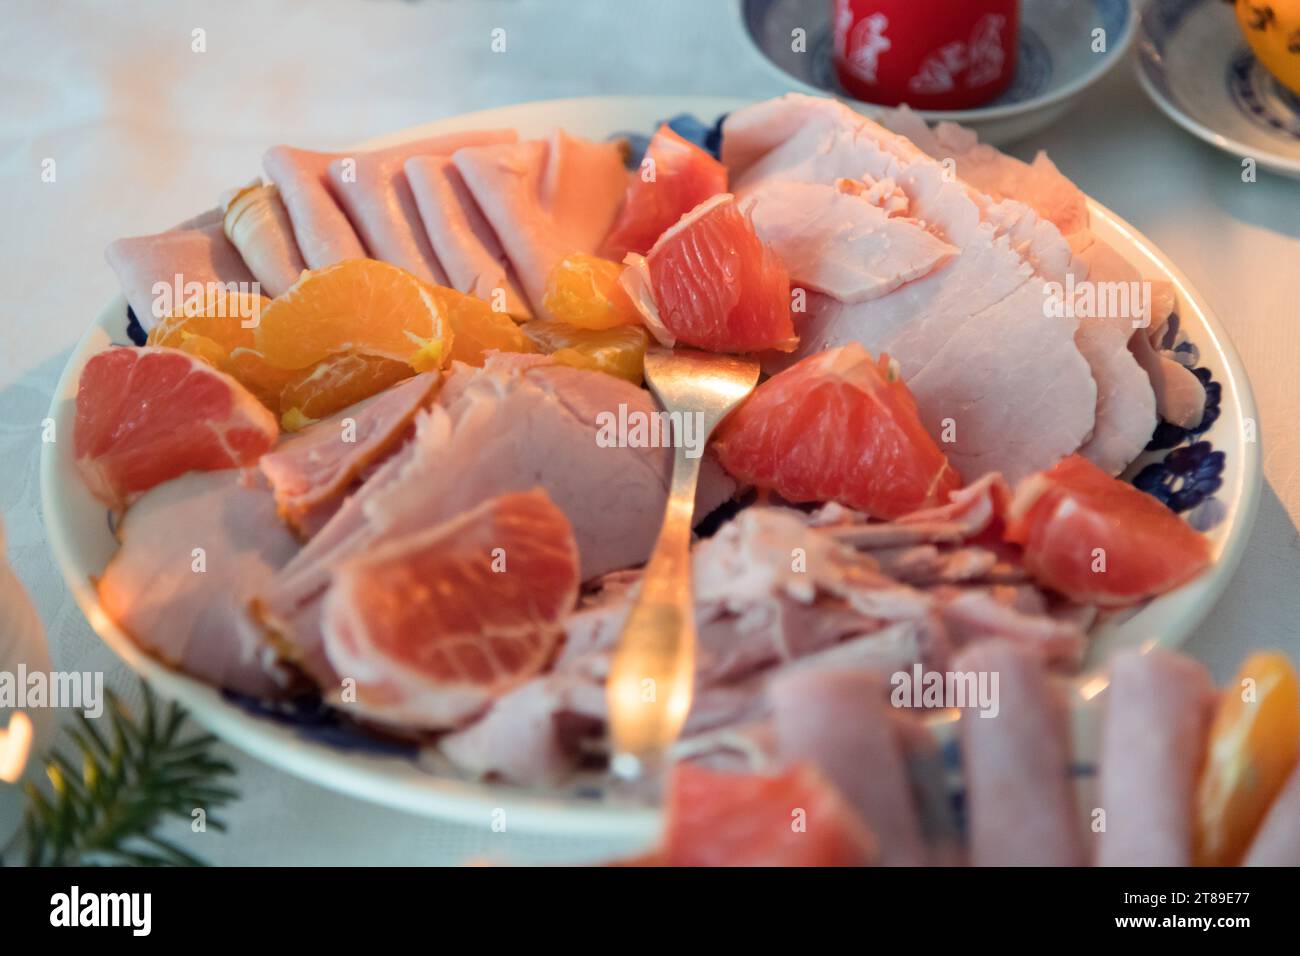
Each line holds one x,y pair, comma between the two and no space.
619,352
333,384
225,318
584,291
1254,743
359,305
264,380
202,347
219,330
476,327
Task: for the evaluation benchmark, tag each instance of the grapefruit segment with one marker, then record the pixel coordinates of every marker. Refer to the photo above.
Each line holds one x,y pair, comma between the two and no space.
710,282
675,176
437,623
1098,540
796,818
837,426
147,415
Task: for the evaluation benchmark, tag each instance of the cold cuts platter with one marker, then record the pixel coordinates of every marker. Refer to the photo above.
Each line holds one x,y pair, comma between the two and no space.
996,434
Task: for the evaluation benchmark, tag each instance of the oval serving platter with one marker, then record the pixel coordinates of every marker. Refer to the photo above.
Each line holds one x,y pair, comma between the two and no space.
312,745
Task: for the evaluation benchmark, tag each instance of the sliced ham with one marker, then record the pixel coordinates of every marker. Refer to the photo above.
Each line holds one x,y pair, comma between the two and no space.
979,614
1127,399
314,467
372,188
1020,806
989,368
1039,184
193,550
533,734
839,721
1157,719
519,423
775,597
257,222
461,238
1125,403
287,606
322,229
834,240
545,199
195,252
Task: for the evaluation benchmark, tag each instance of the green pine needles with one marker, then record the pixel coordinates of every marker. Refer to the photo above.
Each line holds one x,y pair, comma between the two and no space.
106,799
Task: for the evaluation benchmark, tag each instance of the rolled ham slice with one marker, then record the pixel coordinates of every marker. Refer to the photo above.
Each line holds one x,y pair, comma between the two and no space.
1019,801
1158,709
840,721
462,239
323,232
192,552
154,271
258,225
1180,396
545,200
372,188
317,465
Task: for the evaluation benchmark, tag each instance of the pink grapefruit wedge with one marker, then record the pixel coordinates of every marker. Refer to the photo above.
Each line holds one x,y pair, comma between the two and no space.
147,415
837,426
1099,540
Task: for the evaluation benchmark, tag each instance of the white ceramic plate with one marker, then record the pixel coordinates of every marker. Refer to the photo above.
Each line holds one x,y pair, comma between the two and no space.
1195,65
1055,61
82,542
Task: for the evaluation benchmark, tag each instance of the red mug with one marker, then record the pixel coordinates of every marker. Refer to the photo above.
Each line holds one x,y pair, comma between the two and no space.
930,54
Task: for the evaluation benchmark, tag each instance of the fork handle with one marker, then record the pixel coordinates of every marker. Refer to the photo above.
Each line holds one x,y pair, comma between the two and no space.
657,648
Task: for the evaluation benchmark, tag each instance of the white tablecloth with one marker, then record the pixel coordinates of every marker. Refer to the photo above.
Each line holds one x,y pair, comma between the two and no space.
144,132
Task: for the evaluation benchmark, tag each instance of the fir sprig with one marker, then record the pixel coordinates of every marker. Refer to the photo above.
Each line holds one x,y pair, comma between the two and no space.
106,800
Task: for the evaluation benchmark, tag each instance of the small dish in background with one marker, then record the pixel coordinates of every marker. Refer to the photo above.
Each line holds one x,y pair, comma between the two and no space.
1195,66
1055,60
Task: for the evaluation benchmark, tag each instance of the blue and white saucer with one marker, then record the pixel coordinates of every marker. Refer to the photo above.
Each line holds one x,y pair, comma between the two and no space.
1061,54
1195,66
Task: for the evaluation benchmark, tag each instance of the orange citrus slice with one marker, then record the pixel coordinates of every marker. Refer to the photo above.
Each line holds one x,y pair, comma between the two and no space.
1254,744
584,291
619,351
333,384
359,305
219,330
476,327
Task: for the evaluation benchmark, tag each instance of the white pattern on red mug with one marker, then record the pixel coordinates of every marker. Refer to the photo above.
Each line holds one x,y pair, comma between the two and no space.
930,54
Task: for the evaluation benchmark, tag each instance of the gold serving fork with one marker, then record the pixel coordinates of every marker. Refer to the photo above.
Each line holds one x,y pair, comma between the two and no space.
652,679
